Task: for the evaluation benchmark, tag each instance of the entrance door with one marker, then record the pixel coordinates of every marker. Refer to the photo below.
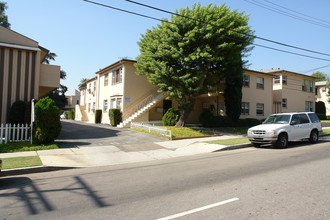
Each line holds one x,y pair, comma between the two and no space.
167,104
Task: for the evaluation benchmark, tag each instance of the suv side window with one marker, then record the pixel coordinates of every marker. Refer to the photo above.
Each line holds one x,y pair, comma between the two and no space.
303,119
313,117
296,119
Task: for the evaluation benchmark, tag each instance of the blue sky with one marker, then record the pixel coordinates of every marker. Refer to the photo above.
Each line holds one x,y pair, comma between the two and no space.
87,37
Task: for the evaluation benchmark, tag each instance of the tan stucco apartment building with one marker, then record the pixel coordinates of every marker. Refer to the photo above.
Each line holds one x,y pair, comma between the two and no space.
292,92
22,74
118,86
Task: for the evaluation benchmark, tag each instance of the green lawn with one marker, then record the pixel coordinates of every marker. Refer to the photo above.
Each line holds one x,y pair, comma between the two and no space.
19,162
231,141
326,131
24,146
182,132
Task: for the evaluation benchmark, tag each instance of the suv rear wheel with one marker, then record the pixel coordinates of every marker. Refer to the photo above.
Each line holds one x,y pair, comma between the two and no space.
314,137
282,141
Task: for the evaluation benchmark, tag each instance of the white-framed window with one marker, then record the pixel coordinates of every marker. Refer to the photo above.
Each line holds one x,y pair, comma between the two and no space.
308,106
260,109
284,103
284,79
93,108
277,79
94,86
106,79
105,105
117,76
89,107
260,83
245,108
119,101
113,103
246,80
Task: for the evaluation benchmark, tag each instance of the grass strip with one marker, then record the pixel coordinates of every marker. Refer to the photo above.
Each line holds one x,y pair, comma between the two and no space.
20,162
24,146
326,131
231,141
181,132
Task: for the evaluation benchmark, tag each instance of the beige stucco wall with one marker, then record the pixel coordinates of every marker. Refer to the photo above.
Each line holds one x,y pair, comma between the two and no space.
254,95
136,88
322,95
296,98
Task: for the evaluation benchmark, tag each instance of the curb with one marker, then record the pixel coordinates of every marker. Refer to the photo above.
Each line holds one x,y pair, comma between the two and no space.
29,170
235,147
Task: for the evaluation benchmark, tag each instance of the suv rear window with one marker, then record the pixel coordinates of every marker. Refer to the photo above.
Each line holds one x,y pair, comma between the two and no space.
313,117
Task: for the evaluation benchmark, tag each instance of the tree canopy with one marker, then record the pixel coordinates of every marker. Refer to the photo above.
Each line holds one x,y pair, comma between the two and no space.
190,54
320,76
3,17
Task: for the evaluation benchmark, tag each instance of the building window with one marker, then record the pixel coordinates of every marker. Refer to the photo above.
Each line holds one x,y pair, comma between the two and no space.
260,109
284,103
277,79
118,103
117,76
89,107
113,103
105,105
311,89
106,79
245,108
246,80
308,106
93,109
284,80
307,86
260,83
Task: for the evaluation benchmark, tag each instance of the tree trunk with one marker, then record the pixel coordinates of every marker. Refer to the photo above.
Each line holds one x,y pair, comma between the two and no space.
186,111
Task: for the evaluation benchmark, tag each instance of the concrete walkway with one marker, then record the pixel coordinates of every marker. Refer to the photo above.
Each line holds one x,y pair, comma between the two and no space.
91,156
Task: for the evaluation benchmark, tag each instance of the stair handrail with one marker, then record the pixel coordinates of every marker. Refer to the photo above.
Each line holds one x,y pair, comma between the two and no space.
140,104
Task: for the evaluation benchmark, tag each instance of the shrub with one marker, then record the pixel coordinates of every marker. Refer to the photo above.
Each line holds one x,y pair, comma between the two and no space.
171,117
321,116
72,114
98,116
115,116
47,123
67,115
206,117
17,112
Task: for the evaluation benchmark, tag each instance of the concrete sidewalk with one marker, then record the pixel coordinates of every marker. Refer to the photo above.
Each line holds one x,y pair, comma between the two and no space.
93,156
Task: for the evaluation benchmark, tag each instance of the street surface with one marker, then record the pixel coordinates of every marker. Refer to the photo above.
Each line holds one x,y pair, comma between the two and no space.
250,183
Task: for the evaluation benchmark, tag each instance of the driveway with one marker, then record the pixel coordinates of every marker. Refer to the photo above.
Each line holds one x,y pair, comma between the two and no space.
79,134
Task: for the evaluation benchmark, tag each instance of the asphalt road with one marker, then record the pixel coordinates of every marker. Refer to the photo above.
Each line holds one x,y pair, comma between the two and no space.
250,183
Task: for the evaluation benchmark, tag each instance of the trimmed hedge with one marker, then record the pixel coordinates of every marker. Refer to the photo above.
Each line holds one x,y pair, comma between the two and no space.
17,112
115,116
98,116
47,123
207,119
171,117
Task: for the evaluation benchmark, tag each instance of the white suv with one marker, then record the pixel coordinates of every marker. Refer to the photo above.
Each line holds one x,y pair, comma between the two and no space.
279,129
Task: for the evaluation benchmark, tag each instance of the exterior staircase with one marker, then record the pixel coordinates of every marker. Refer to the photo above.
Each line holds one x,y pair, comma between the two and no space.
144,106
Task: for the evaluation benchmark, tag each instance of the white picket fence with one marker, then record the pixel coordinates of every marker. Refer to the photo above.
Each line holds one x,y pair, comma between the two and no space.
150,127
11,133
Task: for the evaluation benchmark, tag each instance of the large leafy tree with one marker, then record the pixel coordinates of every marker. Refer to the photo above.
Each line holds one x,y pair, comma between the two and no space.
320,76
189,55
3,17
